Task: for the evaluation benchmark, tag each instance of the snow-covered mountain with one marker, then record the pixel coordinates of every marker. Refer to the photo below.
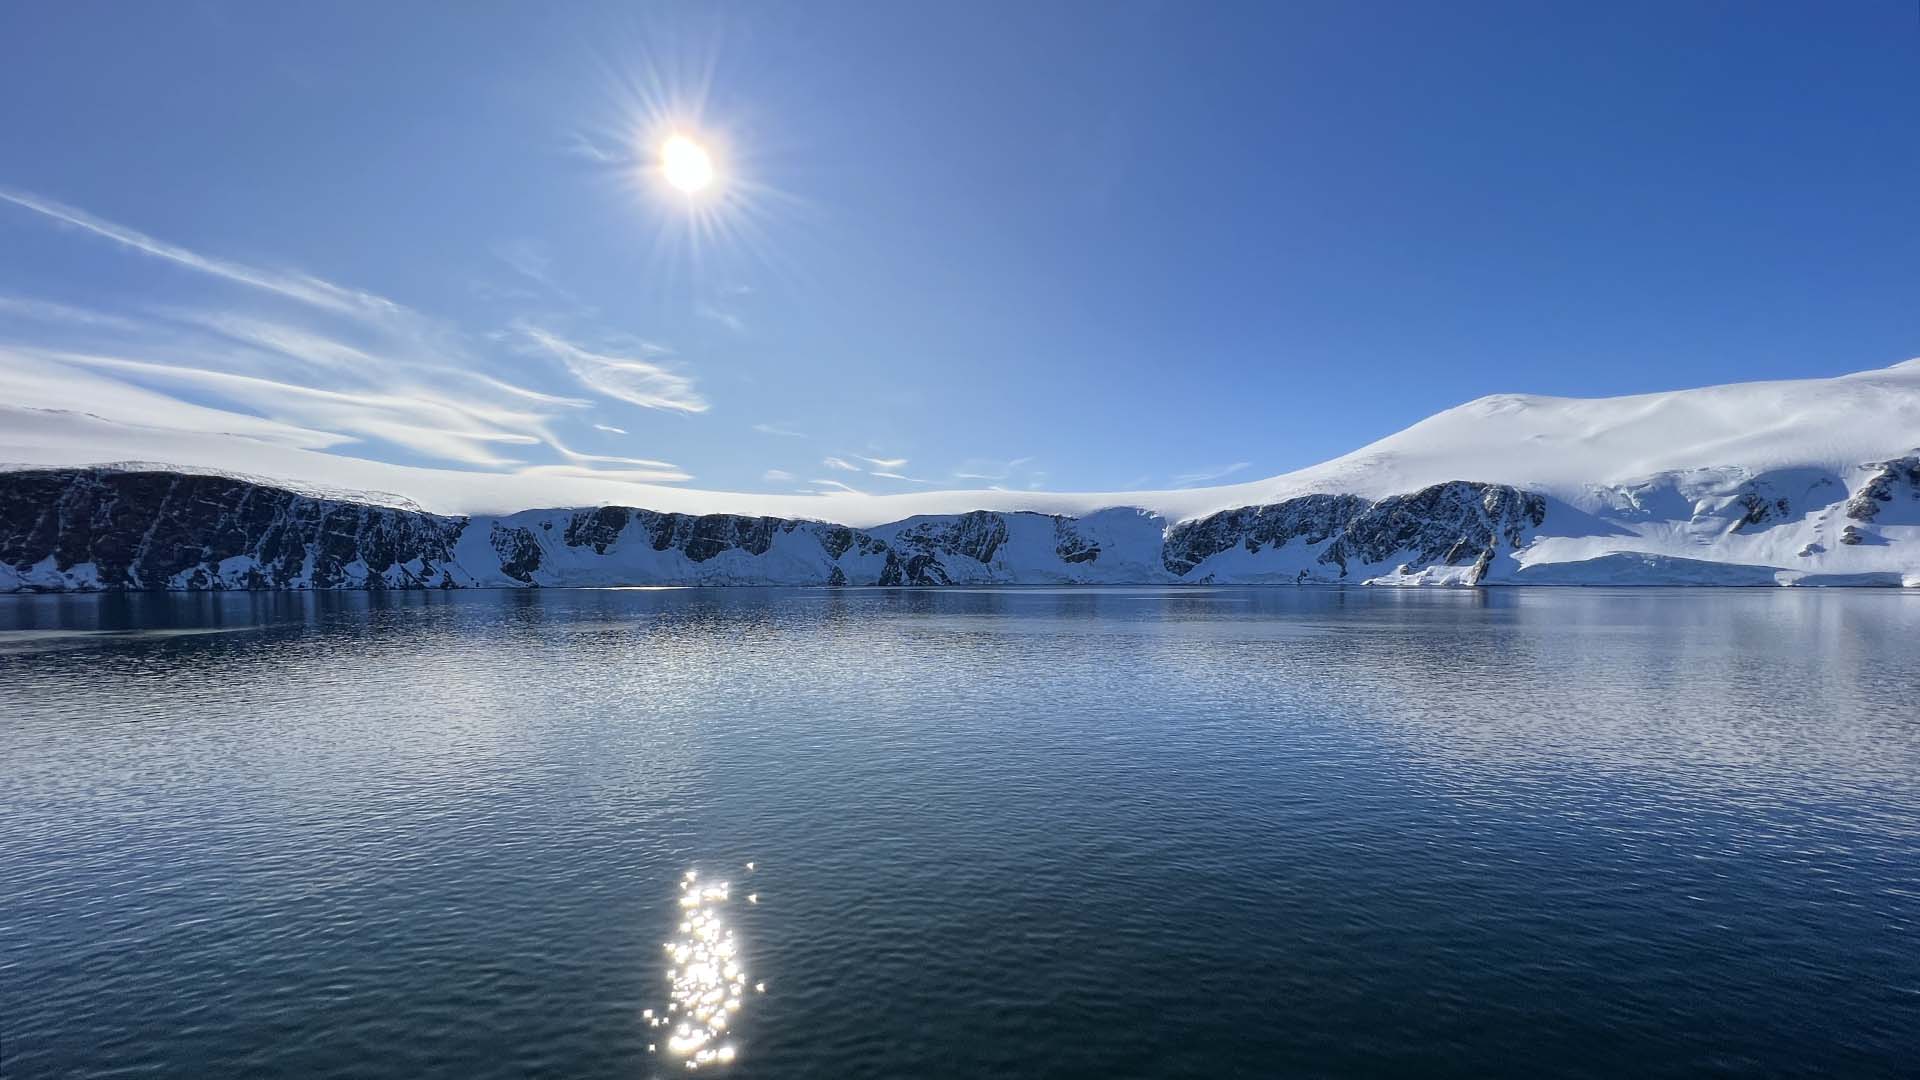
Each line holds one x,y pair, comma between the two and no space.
1810,482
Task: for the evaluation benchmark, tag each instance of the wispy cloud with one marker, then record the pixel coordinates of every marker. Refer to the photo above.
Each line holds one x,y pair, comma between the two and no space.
35,382
1210,472
584,146
308,347
990,470
722,316
302,287
535,265
610,459
897,476
48,311
882,467
635,379
776,476
609,428
834,486
666,475
785,433
437,427
339,366
526,260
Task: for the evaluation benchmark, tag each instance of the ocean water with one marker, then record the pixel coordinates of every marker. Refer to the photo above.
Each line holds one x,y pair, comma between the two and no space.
998,832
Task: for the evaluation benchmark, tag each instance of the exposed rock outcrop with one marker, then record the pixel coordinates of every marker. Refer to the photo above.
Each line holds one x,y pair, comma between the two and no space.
1894,478
976,535
519,552
1069,546
1314,519
1446,524
125,529
1759,510
1454,524
105,529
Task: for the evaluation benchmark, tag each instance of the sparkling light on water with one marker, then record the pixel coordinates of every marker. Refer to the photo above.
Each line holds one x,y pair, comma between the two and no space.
706,978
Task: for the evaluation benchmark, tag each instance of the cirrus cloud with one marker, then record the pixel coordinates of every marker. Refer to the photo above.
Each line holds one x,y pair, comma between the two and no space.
1209,472
635,379
289,358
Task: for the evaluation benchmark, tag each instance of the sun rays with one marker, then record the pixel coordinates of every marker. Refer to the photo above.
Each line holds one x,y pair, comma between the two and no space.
693,167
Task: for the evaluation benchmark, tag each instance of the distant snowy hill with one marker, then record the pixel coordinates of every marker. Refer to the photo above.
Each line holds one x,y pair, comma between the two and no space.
1809,482
1570,446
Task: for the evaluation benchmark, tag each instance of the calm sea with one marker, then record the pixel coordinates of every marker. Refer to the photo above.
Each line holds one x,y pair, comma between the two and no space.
1006,832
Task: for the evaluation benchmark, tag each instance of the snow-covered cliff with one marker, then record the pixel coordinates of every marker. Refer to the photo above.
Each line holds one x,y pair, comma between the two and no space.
1809,482
108,529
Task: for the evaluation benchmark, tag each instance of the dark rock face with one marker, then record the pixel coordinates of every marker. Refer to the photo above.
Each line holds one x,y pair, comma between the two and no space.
925,549
113,529
701,537
976,535
1452,524
1900,474
1759,510
597,528
1312,517
1447,523
1070,546
170,530
837,540
704,536
923,568
519,552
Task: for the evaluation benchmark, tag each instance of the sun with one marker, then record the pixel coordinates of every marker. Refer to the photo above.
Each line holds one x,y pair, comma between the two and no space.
693,170
686,164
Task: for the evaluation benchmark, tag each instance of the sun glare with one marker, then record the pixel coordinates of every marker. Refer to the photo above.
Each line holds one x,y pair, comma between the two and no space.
708,980
686,164
694,170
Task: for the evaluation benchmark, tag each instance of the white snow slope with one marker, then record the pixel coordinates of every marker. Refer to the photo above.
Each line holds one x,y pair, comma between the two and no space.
1649,488
1568,446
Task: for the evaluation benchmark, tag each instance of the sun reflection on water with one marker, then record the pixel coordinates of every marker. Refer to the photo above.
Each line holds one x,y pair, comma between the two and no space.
706,978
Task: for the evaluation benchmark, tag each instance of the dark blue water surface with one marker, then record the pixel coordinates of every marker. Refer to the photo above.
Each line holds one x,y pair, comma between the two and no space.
1014,832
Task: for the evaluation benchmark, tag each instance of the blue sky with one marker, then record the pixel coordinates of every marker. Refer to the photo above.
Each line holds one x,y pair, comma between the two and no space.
1085,247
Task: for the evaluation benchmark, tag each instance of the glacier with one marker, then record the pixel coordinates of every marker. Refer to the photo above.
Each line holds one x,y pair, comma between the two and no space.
1796,482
